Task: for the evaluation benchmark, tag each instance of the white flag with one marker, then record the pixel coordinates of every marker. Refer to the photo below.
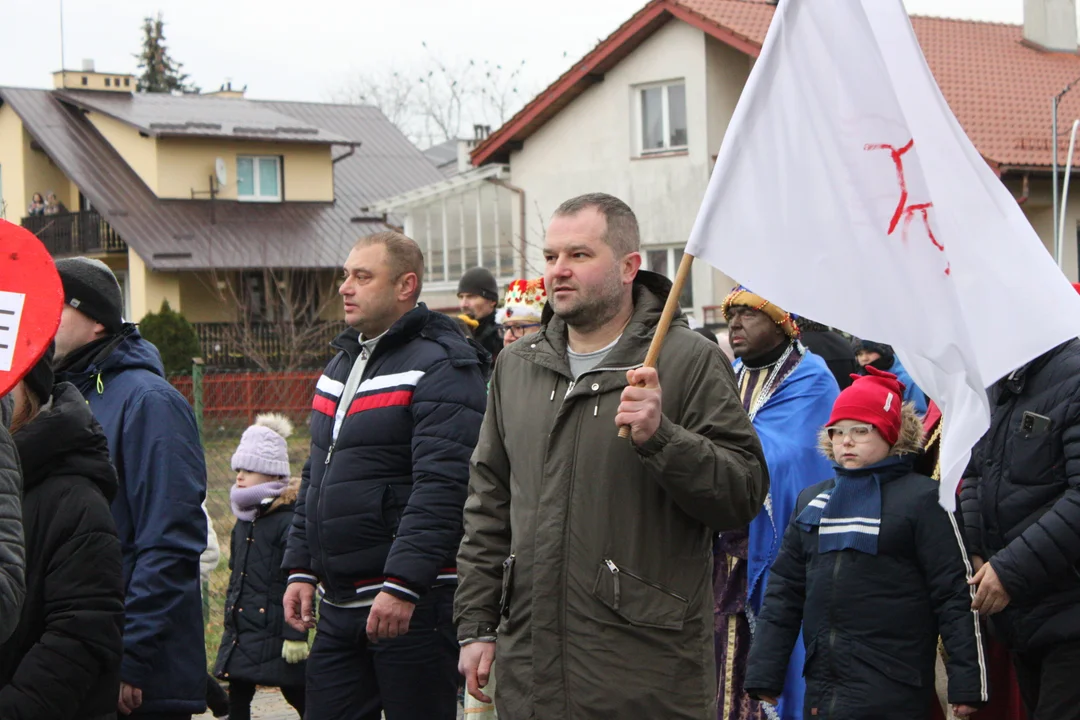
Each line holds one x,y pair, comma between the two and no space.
845,190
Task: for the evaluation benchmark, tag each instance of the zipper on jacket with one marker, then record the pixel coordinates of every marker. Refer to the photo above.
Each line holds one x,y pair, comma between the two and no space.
329,454
616,570
615,579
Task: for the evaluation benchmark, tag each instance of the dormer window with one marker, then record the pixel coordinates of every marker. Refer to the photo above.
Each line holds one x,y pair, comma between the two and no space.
258,178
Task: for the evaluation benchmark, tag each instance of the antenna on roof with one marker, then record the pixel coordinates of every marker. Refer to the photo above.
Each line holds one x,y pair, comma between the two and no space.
62,65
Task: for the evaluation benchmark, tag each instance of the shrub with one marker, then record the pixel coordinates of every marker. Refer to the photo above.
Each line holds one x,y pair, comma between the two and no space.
174,337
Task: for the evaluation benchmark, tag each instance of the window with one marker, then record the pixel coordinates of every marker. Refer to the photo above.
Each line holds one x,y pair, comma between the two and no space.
665,261
258,178
663,117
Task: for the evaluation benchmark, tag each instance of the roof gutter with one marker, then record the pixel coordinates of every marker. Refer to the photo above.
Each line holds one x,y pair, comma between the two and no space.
1025,190
348,153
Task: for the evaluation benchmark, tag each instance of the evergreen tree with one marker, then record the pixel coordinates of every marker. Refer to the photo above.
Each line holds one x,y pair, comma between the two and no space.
160,73
174,338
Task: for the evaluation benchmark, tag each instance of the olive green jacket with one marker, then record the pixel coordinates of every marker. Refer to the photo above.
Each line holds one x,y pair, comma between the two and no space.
593,557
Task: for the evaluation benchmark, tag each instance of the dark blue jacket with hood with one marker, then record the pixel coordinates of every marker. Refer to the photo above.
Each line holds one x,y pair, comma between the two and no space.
154,444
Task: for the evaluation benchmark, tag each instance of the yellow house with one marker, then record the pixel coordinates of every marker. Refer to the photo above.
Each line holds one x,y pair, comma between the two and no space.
237,212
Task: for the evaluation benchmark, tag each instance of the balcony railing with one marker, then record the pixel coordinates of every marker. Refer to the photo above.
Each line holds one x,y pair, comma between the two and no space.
79,233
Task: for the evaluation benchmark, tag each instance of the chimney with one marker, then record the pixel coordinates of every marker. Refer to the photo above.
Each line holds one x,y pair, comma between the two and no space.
88,65
1051,24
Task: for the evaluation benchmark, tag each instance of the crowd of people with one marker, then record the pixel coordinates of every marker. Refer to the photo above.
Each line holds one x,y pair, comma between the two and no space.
767,542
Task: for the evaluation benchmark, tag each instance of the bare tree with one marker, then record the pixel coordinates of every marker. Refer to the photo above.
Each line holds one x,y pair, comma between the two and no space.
439,100
279,325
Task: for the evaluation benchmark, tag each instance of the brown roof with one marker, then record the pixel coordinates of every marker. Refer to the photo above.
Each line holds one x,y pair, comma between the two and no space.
164,115
998,87
179,234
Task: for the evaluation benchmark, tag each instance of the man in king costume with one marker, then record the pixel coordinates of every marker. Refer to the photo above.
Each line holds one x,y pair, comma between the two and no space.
788,393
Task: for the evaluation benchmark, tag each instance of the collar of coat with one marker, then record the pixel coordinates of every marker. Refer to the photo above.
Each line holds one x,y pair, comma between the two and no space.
1014,382
419,322
548,347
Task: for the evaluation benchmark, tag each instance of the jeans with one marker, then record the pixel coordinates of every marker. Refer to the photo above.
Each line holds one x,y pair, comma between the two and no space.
412,677
1048,681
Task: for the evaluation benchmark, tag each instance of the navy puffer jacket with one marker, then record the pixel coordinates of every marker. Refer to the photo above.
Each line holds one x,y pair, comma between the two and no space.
154,444
1021,501
381,508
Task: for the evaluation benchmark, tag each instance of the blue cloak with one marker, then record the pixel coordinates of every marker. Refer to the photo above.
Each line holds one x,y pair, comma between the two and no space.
912,393
788,425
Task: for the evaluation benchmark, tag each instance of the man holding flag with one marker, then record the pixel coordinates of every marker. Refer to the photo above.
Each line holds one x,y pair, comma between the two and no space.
586,557
788,393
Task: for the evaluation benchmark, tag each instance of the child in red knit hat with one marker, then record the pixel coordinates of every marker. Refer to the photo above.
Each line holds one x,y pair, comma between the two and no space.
873,570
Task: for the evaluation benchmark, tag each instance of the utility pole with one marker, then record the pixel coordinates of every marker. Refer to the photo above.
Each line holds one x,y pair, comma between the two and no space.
1054,150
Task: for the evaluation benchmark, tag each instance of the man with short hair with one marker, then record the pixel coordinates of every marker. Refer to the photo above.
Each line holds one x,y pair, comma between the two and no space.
155,446
378,519
586,560
788,393
478,295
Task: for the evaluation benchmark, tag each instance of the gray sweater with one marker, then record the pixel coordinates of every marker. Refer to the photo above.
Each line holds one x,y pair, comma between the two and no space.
12,556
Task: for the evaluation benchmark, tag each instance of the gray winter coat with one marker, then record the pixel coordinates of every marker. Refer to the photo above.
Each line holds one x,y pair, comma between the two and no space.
12,556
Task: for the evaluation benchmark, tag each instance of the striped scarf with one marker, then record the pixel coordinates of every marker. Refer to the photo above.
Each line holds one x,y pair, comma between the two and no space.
848,515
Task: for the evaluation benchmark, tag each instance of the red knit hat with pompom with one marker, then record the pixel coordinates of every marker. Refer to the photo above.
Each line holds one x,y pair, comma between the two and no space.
875,398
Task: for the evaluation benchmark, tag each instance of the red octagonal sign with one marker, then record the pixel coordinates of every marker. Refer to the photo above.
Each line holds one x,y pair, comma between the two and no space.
31,298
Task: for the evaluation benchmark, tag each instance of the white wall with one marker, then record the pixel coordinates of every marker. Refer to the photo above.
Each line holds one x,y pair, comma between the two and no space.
1038,208
590,146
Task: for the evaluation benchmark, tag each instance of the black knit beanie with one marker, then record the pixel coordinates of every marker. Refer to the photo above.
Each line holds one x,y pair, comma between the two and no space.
479,281
40,378
91,288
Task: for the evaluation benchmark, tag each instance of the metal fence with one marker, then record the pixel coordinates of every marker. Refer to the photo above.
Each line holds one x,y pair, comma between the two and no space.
225,404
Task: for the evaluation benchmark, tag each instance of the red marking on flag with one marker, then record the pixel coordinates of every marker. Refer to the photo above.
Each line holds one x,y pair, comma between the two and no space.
324,405
898,160
381,400
903,210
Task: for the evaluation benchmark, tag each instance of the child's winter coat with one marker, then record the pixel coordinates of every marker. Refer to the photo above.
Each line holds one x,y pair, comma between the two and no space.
871,622
255,624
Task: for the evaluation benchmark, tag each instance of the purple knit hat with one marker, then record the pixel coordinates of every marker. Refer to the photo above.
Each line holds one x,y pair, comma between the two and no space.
263,448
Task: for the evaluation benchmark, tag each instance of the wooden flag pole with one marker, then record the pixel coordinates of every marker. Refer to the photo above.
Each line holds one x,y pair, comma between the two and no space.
670,308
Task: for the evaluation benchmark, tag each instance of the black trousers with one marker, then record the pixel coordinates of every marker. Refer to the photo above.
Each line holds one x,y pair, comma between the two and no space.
1048,680
412,677
242,693
217,700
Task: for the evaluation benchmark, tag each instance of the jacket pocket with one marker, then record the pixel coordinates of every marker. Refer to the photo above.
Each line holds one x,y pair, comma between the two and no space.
886,664
507,586
638,600
1033,459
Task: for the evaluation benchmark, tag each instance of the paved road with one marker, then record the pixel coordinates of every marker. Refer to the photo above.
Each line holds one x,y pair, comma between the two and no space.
270,705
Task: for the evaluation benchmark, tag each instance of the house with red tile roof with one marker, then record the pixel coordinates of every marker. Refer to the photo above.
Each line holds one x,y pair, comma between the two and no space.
643,114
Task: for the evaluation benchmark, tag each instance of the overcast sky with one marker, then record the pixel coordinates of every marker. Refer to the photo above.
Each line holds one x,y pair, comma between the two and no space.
309,51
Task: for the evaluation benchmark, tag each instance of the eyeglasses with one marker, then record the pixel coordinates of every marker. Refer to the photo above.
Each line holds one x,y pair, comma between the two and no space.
858,433
518,331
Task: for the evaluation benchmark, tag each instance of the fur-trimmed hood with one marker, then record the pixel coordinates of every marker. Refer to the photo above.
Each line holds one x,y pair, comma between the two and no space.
910,441
287,497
